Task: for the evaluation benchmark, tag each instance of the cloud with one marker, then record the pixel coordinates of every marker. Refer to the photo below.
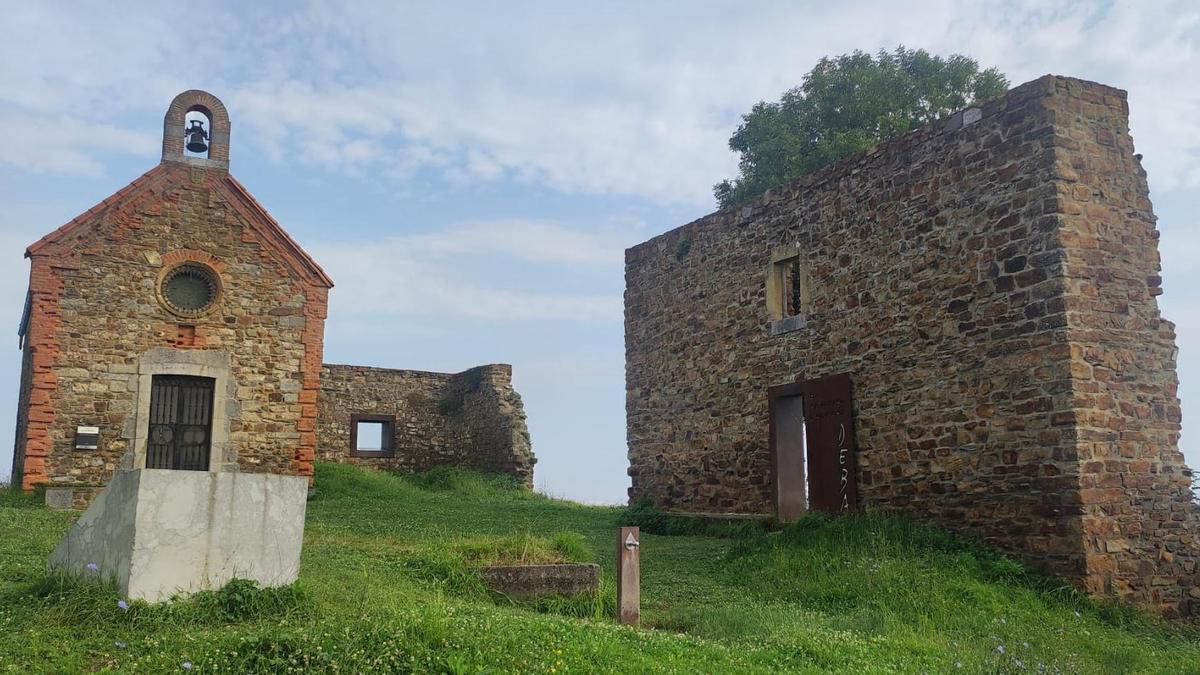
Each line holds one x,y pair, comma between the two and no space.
621,99
68,145
535,241
471,271
1148,49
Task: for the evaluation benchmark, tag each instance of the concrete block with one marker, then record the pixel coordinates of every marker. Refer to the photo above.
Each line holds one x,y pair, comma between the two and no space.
159,533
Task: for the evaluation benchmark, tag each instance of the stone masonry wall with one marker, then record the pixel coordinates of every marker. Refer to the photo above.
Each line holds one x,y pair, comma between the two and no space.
1141,528
472,419
23,393
96,314
988,283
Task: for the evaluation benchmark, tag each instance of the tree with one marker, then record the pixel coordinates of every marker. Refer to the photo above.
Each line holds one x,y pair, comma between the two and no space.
846,104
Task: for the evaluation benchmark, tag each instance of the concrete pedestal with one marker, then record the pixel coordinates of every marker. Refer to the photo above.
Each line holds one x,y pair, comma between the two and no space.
159,533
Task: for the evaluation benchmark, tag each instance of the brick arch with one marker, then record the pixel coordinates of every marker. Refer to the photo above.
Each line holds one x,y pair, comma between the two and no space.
174,121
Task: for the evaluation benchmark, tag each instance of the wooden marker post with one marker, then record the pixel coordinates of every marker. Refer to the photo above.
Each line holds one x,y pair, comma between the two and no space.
629,591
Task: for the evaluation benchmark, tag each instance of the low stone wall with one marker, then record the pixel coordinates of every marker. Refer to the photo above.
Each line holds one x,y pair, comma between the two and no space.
71,498
473,419
537,581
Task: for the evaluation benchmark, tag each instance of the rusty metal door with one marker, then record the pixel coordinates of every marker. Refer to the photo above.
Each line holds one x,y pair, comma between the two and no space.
180,432
832,482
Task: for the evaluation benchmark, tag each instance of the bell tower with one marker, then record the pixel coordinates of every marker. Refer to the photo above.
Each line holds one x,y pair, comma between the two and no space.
196,131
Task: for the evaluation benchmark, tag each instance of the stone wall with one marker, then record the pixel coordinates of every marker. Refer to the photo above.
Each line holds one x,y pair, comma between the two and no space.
1141,529
97,328
25,388
472,419
989,284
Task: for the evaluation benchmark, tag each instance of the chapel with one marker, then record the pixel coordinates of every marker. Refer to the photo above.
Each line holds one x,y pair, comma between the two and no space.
175,325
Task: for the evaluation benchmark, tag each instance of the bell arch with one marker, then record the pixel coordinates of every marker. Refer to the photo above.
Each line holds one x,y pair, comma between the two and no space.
175,123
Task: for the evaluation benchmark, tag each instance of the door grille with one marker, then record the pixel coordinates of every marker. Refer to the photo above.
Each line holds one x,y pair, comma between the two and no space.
180,431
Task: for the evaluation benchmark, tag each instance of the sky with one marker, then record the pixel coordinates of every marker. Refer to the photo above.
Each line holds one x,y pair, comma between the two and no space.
470,173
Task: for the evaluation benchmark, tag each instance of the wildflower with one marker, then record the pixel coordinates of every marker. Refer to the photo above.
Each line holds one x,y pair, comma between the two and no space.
1019,664
187,665
123,605
958,664
93,567
1000,649
120,645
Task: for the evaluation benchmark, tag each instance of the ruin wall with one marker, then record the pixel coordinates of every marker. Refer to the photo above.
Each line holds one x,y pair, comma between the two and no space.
988,282
473,419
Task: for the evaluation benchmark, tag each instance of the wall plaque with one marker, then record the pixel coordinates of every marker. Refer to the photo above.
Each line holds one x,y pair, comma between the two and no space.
87,438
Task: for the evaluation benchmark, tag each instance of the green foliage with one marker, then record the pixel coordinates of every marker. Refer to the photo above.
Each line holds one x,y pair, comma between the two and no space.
682,247
388,585
461,481
572,547
16,498
95,602
243,600
846,104
653,521
450,402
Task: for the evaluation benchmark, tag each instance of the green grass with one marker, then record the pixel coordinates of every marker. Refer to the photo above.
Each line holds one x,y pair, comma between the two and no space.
386,585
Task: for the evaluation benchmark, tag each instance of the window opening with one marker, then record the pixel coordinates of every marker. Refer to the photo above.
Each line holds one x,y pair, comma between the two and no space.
788,298
793,303
372,435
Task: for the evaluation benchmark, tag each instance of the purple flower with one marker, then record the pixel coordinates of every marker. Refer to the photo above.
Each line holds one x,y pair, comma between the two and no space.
187,665
123,605
93,567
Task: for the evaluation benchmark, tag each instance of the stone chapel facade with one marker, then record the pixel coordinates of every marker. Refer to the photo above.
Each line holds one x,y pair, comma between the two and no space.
176,325
960,324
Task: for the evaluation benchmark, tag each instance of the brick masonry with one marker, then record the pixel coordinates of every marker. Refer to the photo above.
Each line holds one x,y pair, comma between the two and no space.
989,282
474,419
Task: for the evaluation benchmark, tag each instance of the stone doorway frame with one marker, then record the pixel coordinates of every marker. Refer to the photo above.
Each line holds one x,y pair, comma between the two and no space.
788,505
198,363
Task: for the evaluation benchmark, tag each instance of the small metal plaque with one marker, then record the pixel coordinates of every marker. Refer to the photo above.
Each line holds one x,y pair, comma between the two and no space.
87,438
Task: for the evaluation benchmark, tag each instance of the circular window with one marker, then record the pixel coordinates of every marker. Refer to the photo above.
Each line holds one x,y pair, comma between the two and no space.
191,289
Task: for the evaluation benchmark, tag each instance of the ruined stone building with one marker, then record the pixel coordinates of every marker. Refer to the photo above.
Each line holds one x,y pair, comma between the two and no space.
960,324
175,325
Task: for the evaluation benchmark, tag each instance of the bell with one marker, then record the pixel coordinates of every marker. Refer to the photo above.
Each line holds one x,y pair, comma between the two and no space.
196,135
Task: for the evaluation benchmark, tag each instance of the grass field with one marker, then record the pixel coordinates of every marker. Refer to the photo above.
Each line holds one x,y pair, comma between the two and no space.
386,586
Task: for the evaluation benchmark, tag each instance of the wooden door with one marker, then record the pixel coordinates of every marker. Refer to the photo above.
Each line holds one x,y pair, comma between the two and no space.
832,483
180,433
